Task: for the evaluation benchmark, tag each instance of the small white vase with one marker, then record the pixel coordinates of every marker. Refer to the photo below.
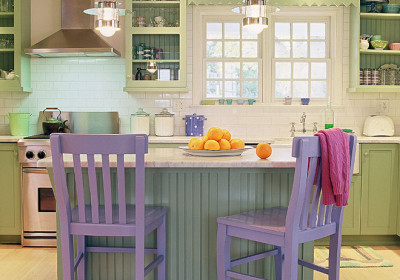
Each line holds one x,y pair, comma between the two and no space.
364,44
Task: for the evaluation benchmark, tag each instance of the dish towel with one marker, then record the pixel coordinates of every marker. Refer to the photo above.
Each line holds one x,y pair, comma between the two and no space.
335,159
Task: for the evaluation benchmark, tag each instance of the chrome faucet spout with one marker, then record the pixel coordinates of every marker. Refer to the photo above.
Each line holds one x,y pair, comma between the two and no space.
303,121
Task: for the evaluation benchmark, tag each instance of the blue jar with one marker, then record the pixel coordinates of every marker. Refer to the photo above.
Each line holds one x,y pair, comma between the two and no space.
194,125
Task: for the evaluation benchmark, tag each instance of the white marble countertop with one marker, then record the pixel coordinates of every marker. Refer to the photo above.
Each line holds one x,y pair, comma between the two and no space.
177,158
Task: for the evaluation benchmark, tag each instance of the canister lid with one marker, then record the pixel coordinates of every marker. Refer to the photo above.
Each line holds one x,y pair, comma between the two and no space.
140,112
194,116
164,113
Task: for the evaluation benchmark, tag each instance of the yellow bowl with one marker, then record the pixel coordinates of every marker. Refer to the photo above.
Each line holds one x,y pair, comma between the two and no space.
379,45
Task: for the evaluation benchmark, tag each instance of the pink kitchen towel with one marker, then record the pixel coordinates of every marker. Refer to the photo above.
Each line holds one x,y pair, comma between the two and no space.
335,166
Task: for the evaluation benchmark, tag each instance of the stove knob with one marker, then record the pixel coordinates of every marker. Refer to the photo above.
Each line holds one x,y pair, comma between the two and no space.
29,155
41,155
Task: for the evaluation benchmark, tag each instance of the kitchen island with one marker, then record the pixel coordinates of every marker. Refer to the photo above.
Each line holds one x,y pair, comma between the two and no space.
197,190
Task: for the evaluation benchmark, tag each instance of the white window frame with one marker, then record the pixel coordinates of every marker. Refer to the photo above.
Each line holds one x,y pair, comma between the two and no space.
267,95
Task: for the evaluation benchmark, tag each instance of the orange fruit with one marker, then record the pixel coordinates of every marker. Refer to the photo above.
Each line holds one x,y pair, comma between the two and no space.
263,150
215,133
226,134
211,145
199,145
224,144
237,144
205,138
192,142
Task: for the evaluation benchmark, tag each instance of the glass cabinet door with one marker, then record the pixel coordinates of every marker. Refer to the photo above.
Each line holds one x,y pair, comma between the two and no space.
156,46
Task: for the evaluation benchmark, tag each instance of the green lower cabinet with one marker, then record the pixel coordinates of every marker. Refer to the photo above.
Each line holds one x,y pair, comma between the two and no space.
379,197
352,212
10,206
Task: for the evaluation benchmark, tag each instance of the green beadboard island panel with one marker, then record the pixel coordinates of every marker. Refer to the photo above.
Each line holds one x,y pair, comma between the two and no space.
196,197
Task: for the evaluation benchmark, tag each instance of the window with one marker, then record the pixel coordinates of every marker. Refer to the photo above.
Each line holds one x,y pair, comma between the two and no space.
231,63
299,55
301,63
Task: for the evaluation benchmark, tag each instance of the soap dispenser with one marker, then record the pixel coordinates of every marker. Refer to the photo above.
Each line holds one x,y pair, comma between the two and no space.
329,115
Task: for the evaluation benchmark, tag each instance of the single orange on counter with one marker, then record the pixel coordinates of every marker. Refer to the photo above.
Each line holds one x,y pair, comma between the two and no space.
226,134
224,144
263,150
211,145
237,144
215,133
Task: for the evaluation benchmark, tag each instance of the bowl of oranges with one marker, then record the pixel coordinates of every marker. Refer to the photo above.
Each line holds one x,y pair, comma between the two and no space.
217,142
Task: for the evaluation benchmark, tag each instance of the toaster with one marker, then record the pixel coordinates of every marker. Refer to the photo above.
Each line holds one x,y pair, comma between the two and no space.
378,126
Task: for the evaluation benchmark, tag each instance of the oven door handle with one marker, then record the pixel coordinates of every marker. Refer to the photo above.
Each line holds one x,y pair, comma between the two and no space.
35,170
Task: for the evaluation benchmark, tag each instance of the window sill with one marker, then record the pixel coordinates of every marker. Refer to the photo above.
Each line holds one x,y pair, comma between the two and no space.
296,106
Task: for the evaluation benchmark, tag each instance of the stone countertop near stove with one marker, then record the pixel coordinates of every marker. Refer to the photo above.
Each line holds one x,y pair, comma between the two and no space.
10,139
177,158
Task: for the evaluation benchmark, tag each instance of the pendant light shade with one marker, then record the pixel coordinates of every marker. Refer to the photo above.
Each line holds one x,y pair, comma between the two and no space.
255,12
107,13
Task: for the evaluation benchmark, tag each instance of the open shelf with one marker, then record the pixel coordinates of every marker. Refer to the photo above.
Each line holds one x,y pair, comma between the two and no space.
6,50
156,60
379,16
159,4
384,52
374,89
6,14
156,30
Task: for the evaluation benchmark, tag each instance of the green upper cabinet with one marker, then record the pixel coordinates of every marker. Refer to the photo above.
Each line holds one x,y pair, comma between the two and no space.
156,33
379,189
384,24
14,38
10,207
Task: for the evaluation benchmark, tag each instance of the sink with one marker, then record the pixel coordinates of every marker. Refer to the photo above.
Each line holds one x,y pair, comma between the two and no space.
287,143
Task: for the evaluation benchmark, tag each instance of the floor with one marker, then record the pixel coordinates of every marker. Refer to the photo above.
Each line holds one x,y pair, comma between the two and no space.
18,263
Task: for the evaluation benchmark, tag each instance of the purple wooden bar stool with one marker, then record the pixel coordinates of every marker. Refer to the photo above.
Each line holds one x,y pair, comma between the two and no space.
108,219
286,228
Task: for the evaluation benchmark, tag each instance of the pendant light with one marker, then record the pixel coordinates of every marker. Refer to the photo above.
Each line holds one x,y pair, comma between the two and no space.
255,11
107,13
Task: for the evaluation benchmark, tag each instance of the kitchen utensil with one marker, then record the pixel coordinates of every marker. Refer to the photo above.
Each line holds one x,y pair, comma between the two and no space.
251,101
288,101
140,122
194,125
305,101
94,122
164,123
364,44
19,123
394,46
159,21
391,8
215,153
53,125
376,38
378,126
10,75
379,45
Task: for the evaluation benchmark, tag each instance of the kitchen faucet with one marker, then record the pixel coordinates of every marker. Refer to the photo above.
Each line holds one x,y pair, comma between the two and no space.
303,121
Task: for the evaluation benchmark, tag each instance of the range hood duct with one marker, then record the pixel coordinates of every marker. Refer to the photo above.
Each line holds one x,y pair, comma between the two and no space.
76,37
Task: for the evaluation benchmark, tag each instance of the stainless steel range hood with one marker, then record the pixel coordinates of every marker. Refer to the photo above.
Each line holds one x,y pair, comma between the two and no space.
76,38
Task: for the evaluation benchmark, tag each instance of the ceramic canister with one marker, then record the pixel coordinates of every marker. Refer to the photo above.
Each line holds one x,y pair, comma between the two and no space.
164,123
194,125
140,122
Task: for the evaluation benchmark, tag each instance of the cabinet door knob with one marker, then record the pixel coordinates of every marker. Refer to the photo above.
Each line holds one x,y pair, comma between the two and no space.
366,154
